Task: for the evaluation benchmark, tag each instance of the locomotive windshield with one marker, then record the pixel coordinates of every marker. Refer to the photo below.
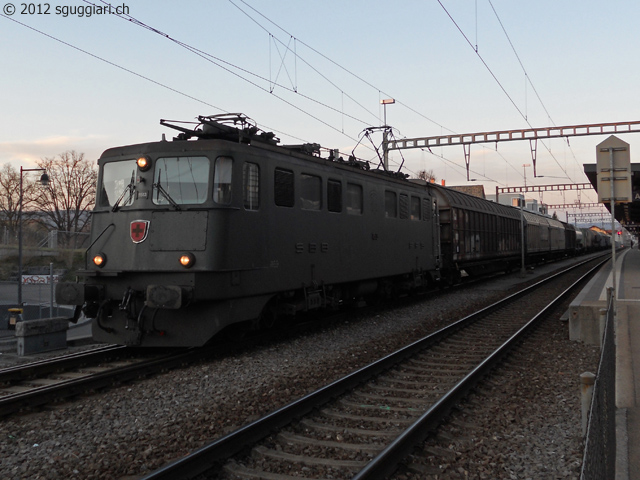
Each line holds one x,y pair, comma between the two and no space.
183,180
116,182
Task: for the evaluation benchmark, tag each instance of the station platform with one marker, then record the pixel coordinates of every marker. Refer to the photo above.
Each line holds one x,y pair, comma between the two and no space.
627,337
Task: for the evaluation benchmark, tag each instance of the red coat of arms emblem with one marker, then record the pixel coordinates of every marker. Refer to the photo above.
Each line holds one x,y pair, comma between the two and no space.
139,230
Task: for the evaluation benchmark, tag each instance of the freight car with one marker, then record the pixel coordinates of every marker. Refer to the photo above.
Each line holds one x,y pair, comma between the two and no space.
223,228
580,238
480,237
546,238
477,236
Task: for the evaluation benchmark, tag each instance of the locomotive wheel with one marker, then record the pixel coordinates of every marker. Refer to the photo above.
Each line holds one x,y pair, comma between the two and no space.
236,332
267,318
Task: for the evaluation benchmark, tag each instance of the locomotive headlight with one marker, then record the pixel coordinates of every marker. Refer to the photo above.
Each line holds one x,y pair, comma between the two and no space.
100,260
187,260
144,163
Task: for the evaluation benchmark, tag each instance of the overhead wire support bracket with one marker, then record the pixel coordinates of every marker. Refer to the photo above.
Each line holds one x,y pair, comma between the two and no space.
533,143
467,156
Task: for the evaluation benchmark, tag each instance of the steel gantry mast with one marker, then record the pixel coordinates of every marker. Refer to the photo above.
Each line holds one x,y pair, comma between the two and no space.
543,188
531,134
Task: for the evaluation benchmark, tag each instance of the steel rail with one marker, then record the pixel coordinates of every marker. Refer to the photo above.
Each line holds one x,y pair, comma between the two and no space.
387,461
68,388
211,455
44,367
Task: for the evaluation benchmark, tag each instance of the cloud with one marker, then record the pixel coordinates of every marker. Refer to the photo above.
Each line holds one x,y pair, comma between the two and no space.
24,153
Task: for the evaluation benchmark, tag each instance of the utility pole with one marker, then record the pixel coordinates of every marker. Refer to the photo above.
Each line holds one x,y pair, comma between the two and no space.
385,133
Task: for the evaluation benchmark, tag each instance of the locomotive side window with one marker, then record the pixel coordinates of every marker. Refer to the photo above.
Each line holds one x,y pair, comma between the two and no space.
404,206
222,180
116,178
334,196
354,199
390,204
310,192
415,208
426,208
251,186
283,187
180,180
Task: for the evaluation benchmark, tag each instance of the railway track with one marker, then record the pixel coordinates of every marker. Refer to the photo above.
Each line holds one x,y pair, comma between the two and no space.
39,383
363,425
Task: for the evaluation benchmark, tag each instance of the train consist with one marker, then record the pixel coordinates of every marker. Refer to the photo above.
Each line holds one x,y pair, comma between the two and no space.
224,228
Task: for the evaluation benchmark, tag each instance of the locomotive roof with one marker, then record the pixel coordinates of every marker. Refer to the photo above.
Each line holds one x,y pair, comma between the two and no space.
238,129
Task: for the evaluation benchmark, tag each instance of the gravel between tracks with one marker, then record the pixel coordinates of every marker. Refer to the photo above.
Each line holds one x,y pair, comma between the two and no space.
524,423
130,430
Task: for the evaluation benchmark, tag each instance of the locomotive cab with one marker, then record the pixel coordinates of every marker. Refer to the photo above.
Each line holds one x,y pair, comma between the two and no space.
156,242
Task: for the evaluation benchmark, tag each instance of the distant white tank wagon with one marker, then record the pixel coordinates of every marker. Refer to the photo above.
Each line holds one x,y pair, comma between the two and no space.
224,227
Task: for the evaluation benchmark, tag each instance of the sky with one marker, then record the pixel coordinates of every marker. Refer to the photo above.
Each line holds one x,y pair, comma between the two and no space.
316,71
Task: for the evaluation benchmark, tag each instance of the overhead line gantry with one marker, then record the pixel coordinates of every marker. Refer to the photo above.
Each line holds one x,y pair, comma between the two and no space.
565,206
531,134
543,188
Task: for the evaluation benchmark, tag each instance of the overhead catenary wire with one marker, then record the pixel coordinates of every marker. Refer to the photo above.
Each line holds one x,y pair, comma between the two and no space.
366,82
503,89
346,70
333,62
137,74
529,82
228,66
315,70
527,77
213,59
493,75
113,64
460,168
204,102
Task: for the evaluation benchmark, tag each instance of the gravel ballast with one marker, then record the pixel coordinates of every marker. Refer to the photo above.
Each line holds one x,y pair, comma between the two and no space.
130,430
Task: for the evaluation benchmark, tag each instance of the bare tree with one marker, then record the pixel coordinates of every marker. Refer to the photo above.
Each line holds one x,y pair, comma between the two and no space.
427,175
10,199
65,204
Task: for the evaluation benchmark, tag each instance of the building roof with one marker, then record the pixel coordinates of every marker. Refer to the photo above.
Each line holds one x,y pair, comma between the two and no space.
475,190
628,214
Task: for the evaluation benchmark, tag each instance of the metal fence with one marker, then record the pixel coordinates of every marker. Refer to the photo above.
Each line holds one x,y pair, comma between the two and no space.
54,239
599,460
37,302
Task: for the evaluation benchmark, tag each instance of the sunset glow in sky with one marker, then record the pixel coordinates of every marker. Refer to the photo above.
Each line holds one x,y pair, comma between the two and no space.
315,71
